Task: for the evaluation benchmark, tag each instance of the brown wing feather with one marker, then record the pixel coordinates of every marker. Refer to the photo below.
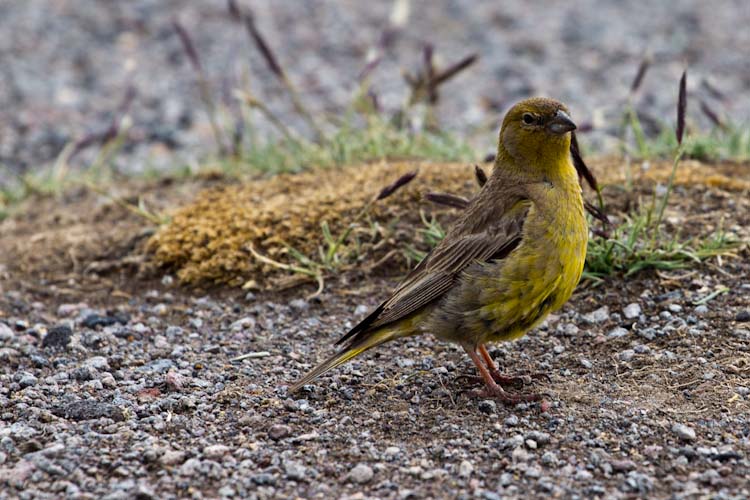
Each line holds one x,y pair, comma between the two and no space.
438,271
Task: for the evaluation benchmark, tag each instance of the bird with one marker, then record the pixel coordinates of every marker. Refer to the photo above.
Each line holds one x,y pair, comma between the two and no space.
515,254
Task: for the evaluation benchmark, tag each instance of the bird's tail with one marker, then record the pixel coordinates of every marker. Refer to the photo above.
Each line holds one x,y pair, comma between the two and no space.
353,349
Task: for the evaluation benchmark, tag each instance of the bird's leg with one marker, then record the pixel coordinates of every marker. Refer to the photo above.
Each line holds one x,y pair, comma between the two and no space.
492,389
507,379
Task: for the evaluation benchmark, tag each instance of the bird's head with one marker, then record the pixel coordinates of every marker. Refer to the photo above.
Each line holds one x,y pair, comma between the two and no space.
535,132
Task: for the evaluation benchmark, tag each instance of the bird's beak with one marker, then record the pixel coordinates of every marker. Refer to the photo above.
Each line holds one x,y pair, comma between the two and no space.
561,123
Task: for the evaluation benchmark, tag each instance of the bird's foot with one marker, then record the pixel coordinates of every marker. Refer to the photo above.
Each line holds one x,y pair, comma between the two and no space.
497,392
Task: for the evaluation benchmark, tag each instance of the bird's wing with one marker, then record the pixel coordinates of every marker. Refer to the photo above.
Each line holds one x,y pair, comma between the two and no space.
439,269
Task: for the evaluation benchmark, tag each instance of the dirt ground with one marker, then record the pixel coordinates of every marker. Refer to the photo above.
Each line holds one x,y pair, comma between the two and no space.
118,382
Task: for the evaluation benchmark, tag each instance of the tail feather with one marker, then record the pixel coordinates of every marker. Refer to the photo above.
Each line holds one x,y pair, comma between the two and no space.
352,350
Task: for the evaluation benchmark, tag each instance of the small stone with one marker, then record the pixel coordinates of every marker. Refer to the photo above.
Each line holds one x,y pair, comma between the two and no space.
94,320
89,410
215,451
626,355
598,316
632,311
295,470
488,406
583,475
743,316
57,337
541,438
172,457
511,420
6,333
190,467
392,451
361,310
299,305
701,310
278,431
618,332
27,380
360,474
623,465
684,432
465,469
549,458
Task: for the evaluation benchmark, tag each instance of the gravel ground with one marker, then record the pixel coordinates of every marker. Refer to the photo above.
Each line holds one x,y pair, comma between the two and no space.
140,400
117,386
67,64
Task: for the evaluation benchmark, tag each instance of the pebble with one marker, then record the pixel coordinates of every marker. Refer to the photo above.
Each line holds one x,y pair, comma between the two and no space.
360,474
190,467
57,337
172,457
27,380
743,316
392,452
618,332
465,469
89,409
684,432
215,451
632,311
299,305
511,420
701,310
294,470
6,333
488,406
278,431
626,355
598,316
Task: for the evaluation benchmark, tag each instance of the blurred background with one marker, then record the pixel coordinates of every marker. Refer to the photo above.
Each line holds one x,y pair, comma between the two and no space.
74,69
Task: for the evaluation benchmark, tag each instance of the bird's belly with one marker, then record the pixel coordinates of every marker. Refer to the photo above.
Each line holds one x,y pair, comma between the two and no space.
505,299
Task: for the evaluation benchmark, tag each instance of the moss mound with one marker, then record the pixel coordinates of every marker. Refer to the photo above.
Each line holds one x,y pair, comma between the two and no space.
210,240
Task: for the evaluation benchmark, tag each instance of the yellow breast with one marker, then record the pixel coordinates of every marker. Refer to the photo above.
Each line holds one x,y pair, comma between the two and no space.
541,274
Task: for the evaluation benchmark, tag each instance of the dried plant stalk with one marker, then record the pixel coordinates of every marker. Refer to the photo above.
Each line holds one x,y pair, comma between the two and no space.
640,75
681,108
395,186
204,86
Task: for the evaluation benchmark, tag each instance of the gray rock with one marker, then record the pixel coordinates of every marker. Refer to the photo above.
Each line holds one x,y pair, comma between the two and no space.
295,470
278,431
511,420
626,355
465,469
488,406
597,316
6,333
360,474
743,316
684,432
27,380
88,410
632,311
57,337
215,451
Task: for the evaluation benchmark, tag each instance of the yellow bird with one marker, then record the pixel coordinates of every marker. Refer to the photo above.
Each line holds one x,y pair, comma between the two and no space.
514,255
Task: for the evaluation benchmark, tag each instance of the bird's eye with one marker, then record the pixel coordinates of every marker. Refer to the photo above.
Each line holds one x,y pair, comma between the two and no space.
528,118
